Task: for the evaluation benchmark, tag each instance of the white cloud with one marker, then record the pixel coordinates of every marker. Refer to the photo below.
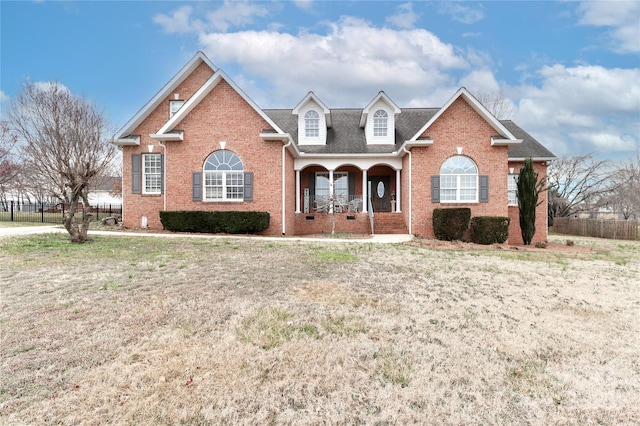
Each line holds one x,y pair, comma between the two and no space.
229,15
583,109
405,17
350,63
235,14
178,22
622,17
303,4
462,13
3,97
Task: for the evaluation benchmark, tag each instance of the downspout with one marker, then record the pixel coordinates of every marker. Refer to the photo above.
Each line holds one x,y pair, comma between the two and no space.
164,175
410,192
284,187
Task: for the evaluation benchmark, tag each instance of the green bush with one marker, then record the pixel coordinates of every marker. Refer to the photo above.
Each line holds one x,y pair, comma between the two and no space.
489,229
450,224
232,222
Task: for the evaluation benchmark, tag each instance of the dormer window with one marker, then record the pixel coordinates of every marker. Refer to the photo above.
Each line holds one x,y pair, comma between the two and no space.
380,123
174,106
311,124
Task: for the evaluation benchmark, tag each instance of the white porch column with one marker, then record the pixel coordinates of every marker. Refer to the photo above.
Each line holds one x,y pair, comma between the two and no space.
297,191
331,191
398,186
364,191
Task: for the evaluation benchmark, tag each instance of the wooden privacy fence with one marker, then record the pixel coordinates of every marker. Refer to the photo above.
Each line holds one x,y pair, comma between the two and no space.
601,228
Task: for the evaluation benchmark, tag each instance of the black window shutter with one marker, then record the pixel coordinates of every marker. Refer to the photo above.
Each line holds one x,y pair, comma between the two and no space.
136,176
248,186
196,194
352,185
435,189
162,173
484,188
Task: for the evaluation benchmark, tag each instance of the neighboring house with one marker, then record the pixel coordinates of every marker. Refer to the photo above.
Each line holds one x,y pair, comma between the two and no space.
105,192
202,144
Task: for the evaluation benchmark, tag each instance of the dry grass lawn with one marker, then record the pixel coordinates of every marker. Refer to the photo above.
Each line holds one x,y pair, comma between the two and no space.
142,330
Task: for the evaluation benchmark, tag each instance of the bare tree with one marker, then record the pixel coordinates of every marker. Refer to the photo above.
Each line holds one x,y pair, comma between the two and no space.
577,184
8,164
63,138
625,194
497,104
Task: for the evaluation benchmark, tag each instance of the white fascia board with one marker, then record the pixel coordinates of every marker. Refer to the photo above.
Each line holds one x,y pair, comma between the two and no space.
128,141
175,81
504,142
386,99
312,96
191,103
522,159
411,143
168,137
284,138
477,106
250,102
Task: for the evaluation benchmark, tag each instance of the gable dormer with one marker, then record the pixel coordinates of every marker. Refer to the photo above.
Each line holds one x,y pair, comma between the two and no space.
379,120
313,120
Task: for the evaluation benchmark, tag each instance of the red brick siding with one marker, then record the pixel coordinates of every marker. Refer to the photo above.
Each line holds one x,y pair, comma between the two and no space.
223,115
458,126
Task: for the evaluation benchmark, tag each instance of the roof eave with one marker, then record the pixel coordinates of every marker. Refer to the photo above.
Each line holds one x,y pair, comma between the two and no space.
168,137
127,141
504,142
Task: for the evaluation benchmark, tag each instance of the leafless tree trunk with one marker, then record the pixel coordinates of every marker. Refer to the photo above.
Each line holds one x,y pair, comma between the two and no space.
64,141
8,164
577,184
625,197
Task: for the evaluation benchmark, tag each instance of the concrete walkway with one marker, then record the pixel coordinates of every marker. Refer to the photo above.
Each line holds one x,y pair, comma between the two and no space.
377,239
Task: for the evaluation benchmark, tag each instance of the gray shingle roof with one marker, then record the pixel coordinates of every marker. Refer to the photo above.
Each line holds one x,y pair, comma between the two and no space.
347,137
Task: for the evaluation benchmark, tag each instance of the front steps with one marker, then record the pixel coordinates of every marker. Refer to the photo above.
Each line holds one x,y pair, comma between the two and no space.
389,223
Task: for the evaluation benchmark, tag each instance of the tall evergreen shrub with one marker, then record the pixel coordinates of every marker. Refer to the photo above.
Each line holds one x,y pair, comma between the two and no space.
528,190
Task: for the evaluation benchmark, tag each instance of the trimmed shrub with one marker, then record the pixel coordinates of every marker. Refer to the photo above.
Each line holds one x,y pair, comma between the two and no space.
489,229
232,222
450,224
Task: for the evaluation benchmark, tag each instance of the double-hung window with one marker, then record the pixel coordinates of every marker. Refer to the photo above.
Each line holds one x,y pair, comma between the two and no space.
311,124
340,187
512,189
380,123
152,173
459,180
223,177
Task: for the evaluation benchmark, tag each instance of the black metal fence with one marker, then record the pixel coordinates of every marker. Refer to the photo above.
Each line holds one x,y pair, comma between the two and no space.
14,211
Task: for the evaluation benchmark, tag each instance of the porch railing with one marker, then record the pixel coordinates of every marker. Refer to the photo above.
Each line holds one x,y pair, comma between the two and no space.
342,204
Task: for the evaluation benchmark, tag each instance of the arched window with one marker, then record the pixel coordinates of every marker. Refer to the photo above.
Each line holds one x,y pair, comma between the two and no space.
380,123
311,124
459,180
223,177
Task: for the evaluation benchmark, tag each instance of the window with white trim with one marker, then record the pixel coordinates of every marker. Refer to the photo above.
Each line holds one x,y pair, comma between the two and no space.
459,180
152,173
512,189
174,106
340,187
312,124
223,177
380,123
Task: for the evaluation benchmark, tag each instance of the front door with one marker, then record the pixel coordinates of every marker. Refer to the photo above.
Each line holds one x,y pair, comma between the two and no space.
379,193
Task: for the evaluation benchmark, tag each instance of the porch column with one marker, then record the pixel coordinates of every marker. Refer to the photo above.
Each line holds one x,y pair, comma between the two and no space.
297,191
398,186
364,192
331,191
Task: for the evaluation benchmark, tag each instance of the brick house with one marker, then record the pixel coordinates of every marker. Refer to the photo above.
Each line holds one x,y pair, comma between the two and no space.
202,144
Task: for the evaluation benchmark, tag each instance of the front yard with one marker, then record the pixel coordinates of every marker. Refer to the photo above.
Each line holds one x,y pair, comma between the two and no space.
143,330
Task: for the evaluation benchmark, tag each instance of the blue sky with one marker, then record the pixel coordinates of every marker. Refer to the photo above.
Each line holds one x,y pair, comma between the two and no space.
571,69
